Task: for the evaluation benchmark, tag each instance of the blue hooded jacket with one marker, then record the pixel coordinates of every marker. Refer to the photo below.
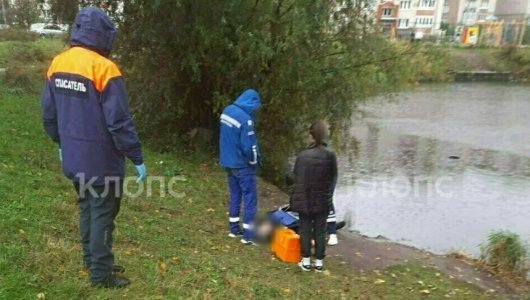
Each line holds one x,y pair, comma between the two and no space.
84,104
238,145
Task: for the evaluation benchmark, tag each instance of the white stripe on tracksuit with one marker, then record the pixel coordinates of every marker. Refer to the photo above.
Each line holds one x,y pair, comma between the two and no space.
255,155
332,217
230,120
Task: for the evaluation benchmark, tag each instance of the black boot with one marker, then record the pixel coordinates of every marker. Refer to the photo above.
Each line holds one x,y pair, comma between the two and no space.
112,282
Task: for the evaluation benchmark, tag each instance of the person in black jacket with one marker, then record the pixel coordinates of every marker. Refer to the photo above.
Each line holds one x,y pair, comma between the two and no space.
315,175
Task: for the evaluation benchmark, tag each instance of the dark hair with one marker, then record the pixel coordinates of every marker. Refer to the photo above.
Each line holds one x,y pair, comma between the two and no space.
319,132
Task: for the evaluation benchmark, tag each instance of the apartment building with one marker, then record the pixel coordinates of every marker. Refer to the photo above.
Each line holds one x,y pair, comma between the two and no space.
469,12
513,10
422,17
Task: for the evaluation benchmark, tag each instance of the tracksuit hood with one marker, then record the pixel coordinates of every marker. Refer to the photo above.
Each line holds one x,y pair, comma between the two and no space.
249,101
93,29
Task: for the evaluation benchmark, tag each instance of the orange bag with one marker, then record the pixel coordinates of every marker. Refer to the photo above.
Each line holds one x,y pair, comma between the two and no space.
286,245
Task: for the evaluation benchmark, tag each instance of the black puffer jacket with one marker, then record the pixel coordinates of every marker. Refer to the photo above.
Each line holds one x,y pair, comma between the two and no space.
315,174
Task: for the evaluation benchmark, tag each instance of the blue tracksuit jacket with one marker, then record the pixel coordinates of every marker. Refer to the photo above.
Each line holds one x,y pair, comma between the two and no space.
84,104
238,145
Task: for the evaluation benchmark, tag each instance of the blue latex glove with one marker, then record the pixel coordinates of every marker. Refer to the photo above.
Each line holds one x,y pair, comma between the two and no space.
142,173
61,155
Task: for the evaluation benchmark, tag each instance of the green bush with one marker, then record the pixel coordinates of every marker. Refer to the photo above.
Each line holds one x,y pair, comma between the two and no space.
25,68
517,60
505,252
17,35
185,60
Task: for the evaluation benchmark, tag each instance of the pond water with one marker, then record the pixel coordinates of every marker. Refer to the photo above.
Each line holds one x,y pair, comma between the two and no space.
439,167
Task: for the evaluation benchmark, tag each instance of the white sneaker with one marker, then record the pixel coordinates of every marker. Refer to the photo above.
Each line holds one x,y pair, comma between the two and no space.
234,235
305,268
333,240
248,242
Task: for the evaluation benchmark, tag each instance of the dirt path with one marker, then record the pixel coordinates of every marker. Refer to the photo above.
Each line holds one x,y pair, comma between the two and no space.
365,254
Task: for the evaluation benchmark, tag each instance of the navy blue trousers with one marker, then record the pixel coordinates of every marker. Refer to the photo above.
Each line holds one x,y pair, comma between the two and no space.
99,206
243,192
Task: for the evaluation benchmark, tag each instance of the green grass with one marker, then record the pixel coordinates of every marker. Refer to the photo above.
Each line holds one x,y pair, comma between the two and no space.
471,59
505,252
47,45
40,253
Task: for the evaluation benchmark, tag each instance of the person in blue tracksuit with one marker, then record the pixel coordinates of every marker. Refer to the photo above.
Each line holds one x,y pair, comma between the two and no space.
85,111
239,155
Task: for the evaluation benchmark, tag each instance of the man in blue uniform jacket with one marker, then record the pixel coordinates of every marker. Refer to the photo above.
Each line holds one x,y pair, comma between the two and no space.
239,155
85,111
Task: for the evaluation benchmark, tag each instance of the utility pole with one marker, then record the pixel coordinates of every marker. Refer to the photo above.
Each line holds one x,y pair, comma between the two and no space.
4,11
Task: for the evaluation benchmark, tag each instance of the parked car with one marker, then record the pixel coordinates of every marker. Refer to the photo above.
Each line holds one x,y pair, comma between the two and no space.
48,30
4,26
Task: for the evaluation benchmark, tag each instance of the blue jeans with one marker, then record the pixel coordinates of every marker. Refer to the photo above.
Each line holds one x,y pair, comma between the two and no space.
243,190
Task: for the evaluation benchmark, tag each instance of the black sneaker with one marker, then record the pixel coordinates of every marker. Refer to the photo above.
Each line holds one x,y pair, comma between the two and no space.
305,268
319,269
112,282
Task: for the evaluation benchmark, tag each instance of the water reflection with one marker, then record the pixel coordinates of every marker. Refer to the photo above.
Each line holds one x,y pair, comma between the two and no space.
440,168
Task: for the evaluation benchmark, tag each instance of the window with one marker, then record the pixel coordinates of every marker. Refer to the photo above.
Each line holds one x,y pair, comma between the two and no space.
403,23
405,4
427,3
387,12
52,27
485,3
424,22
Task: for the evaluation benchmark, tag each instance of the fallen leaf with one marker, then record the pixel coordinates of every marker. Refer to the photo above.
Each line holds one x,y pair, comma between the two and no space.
210,210
162,266
379,281
327,273
420,282
287,291
425,292
82,274
21,231
175,260
41,296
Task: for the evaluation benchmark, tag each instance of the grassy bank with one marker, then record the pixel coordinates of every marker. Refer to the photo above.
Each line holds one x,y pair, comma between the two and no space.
172,247
45,45
514,60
